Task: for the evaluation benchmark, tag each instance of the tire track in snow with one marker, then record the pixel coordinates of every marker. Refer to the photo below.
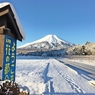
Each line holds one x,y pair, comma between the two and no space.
45,72
49,89
48,83
47,80
42,73
70,81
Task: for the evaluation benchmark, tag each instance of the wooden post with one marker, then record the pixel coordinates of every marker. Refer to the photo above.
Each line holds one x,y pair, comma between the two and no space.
1,47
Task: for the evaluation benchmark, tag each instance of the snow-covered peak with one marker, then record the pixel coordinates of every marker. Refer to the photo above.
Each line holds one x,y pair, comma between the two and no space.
52,40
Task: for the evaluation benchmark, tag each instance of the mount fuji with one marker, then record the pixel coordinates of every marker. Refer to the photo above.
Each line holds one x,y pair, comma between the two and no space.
49,42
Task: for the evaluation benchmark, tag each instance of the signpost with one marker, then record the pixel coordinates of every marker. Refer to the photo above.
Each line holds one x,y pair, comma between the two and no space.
9,60
10,32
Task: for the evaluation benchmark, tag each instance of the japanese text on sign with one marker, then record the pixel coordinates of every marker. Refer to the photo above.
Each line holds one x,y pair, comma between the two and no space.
9,59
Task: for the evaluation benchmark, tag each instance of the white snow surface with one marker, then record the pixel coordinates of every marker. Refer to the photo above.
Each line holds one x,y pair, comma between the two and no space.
16,17
49,38
88,61
50,77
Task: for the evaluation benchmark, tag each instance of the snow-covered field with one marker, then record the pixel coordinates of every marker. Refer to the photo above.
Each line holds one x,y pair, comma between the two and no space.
50,77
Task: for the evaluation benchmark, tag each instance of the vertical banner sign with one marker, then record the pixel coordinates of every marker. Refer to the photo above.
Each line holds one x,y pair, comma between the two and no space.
9,60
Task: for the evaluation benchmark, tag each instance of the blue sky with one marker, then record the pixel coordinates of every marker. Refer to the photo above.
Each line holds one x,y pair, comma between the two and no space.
71,20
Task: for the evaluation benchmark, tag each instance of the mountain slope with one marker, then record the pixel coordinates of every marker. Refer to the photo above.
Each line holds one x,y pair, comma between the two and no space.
47,42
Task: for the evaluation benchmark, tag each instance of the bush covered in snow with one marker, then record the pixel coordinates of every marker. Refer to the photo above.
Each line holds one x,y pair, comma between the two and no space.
87,49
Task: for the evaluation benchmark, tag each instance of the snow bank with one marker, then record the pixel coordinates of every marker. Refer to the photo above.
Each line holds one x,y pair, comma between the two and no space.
31,57
87,61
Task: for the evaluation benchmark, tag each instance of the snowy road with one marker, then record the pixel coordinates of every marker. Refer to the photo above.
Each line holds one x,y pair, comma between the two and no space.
51,77
90,70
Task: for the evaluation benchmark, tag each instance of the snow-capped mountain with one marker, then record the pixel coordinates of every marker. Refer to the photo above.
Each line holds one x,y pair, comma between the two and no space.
49,42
